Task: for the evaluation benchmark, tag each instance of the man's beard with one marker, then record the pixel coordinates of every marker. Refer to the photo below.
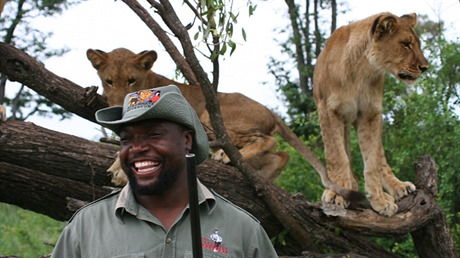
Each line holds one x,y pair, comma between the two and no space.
166,179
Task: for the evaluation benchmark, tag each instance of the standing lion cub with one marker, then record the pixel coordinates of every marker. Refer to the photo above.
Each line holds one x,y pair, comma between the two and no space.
348,89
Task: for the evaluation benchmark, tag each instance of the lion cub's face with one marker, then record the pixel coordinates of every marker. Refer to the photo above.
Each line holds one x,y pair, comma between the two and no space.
396,47
121,71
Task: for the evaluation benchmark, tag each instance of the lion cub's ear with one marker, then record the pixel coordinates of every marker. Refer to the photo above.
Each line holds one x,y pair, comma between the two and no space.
411,18
384,25
96,57
146,59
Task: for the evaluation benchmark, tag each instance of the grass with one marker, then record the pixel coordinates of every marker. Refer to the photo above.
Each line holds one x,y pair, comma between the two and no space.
25,233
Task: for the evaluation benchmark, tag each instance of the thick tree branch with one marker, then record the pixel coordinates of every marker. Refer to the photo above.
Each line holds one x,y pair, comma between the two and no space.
434,239
19,66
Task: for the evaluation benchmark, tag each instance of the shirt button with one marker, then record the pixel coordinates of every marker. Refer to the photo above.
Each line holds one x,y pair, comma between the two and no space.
168,240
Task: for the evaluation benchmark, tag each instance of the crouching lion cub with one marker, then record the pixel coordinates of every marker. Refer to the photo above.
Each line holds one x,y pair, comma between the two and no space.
348,89
251,126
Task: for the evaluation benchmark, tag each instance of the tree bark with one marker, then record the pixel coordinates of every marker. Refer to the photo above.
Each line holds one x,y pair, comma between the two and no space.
434,238
19,66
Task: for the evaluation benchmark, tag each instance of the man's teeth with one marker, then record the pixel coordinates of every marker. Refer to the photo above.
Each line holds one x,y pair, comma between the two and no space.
146,166
145,170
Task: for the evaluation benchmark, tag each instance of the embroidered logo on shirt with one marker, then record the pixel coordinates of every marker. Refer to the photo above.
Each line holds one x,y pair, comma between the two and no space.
214,243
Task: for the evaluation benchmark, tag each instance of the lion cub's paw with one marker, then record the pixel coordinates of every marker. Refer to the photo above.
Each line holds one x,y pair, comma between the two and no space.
2,113
383,204
119,177
220,155
402,189
330,196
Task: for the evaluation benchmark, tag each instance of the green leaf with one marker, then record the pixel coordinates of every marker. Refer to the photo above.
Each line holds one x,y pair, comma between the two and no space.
223,49
232,46
252,9
229,29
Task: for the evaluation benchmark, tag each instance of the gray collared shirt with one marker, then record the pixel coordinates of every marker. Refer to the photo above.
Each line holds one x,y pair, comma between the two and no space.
117,226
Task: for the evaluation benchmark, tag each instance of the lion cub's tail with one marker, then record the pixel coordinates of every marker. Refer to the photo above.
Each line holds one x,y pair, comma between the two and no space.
289,136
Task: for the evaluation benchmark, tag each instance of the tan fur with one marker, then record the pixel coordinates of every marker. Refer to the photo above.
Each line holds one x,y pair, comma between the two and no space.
250,125
2,4
348,89
2,113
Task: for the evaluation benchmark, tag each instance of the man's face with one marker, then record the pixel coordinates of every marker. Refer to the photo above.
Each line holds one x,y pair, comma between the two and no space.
152,154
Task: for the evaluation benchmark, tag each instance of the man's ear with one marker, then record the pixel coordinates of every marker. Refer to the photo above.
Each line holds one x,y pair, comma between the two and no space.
188,140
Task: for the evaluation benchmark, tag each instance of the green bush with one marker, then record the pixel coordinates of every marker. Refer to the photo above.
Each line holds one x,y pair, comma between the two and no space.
25,233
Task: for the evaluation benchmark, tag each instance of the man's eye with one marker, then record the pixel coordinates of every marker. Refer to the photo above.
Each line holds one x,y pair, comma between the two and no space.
124,140
153,135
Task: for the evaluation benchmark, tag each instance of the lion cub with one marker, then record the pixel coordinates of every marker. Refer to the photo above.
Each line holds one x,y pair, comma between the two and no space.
251,126
348,89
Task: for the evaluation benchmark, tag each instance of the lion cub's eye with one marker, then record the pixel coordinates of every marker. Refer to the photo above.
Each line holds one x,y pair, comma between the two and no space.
131,80
109,82
406,44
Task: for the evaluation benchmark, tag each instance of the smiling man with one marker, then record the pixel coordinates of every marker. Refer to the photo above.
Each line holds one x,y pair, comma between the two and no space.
150,216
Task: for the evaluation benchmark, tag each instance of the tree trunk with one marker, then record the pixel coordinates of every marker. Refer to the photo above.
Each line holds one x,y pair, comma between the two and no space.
41,170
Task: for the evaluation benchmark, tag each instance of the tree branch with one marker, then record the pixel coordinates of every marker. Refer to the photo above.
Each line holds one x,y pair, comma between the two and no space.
19,66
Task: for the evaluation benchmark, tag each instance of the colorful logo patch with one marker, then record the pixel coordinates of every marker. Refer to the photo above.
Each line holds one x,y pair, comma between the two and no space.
214,243
142,99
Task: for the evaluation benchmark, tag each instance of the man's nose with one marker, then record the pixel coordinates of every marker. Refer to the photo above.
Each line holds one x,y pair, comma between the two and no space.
138,144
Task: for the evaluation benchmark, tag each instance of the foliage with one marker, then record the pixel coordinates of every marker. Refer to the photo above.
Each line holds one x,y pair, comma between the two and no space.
218,20
300,42
26,234
299,176
15,29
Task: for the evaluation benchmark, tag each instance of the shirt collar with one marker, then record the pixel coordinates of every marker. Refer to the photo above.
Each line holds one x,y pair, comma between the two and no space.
127,203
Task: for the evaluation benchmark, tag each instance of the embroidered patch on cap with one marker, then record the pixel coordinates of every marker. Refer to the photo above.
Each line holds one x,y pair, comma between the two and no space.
142,99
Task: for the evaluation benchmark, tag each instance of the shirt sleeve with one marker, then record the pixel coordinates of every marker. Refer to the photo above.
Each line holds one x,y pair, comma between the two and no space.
262,246
67,245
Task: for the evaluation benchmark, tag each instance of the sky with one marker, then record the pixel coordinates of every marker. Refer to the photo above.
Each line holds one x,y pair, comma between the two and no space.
109,24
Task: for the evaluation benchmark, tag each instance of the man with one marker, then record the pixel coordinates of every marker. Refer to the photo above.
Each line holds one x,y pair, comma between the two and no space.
150,216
